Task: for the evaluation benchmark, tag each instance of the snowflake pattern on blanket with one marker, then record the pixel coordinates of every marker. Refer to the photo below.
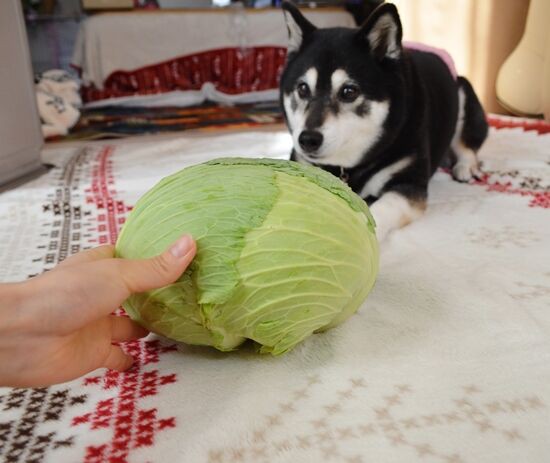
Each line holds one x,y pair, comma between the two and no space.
447,361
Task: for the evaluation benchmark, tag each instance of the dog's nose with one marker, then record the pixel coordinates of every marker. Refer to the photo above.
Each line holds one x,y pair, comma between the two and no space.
310,140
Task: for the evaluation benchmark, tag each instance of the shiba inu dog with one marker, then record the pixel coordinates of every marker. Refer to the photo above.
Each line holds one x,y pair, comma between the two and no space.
380,114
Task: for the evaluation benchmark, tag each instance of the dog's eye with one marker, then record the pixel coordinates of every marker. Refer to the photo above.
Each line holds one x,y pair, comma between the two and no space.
303,90
348,93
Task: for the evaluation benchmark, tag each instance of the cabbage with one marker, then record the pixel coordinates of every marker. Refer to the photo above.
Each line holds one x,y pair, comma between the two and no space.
283,250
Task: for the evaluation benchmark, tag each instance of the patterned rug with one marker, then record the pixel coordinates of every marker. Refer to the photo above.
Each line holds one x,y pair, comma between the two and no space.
448,361
119,122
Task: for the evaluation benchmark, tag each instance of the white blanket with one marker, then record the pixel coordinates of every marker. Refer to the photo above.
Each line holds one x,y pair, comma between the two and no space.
447,361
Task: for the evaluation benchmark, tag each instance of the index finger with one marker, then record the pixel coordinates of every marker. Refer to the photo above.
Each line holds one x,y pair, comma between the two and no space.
90,255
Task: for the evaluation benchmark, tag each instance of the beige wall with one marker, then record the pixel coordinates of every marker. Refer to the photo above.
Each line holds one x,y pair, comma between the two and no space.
479,34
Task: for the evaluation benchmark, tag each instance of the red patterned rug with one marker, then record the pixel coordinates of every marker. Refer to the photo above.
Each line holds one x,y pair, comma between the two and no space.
114,122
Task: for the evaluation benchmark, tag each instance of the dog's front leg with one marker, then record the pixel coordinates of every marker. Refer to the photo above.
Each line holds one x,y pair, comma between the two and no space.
395,209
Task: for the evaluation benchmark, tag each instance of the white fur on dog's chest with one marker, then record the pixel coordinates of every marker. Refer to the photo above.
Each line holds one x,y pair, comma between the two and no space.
376,183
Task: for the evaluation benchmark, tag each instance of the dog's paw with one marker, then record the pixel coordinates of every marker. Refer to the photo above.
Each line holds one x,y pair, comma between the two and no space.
393,211
466,170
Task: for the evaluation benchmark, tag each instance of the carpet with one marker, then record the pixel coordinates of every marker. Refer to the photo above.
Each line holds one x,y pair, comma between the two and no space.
448,360
114,122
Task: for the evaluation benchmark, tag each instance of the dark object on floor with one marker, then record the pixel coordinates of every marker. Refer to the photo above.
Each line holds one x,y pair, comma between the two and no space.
119,122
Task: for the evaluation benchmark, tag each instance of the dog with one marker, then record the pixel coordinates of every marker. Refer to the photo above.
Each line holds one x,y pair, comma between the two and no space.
379,114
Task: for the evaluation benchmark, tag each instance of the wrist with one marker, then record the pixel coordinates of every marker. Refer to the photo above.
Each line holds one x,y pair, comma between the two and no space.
13,310
14,323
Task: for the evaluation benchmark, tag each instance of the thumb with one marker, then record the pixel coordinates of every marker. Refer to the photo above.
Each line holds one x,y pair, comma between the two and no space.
146,274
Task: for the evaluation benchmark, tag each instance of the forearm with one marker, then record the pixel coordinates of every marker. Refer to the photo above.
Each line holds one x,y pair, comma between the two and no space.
12,316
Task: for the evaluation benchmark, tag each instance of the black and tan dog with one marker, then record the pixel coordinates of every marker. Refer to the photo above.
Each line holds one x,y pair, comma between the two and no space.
379,114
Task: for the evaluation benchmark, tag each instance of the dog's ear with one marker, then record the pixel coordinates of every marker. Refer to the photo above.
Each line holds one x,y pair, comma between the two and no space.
298,26
383,32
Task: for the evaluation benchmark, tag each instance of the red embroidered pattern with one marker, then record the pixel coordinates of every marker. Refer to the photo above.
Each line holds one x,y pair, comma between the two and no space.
538,197
132,427
539,125
230,70
101,193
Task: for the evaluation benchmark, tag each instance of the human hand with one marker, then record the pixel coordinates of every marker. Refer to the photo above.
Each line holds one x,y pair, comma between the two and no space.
58,326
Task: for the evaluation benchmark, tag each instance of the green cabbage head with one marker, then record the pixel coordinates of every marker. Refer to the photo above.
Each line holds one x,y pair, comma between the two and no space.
284,251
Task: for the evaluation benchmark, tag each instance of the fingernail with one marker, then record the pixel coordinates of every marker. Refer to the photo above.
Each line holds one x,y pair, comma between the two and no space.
181,247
